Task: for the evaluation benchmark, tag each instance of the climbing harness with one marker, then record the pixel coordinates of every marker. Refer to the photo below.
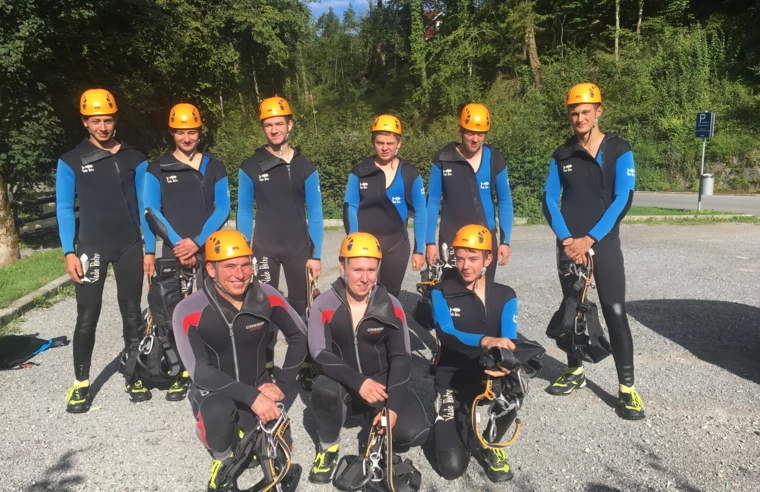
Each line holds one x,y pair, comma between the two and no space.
273,454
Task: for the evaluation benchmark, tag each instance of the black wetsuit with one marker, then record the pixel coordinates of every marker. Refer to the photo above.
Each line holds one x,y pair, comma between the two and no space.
378,349
596,193
109,189
224,351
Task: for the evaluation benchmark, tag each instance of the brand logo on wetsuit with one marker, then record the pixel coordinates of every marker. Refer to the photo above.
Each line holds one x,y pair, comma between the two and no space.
375,330
254,326
568,168
484,185
454,312
363,186
631,172
171,179
445,404
90,268
264,177
447,172
88,168
396,199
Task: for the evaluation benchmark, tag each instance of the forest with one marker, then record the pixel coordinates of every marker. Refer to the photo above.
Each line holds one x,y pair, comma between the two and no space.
657,62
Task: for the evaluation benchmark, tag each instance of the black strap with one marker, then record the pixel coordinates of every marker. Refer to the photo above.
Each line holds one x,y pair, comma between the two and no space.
132,356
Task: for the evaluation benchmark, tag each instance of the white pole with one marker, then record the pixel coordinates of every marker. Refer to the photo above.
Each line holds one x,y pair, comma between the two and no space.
701,172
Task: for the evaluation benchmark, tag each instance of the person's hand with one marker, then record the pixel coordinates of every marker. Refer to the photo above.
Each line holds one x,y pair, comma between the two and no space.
265,409
391,420
185,249
502,253
490,342
149,264
576,249
189,263
372,392
74,267
431,254
271,391
316,268
417,262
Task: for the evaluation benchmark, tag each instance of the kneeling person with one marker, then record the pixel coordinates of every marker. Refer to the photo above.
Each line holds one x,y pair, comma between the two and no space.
222,333
359,341
471,312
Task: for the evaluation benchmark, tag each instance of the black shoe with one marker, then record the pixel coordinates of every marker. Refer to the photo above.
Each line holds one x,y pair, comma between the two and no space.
137,392
178,390
496,466
78,398
219,480
324,465
306,375
630,404
567,382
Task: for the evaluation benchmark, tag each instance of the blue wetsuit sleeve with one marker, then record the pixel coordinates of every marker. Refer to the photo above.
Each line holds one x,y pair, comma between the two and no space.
420,215
509,319
445,324
140,174
65,195
152,200
221,210
433,202
314,212
504,196
351,211
625,181
244,220
552,190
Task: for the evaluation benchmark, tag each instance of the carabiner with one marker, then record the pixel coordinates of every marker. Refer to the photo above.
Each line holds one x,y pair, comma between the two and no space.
146,345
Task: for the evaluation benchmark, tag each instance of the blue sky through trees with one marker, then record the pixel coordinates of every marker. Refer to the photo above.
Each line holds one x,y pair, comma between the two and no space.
338,6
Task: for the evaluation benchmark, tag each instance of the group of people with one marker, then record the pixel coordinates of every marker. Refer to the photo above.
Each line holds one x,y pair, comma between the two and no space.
355,335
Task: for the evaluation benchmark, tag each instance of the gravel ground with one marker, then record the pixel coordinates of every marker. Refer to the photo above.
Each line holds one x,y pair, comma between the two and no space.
695,314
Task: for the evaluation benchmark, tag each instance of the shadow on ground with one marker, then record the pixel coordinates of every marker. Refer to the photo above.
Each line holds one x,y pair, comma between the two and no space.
718,332
104,376
56,477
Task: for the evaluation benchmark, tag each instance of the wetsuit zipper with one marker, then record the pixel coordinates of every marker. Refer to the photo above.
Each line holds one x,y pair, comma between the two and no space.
232,335
353,334
123,197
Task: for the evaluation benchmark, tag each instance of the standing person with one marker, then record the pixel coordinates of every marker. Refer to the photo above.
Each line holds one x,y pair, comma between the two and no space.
189,193
380,192
359,341
107,177
221,332
284,187
595,176
471,312
465,181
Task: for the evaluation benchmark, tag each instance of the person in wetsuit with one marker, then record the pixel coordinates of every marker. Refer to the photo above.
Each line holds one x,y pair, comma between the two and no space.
221,333
380,193
471,312
466,181
359,341
107,177
594,174
188,191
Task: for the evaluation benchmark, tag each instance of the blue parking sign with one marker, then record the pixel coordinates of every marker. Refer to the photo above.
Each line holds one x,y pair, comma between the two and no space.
705,125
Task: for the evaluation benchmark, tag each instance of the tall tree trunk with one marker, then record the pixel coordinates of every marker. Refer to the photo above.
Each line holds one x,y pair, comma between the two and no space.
532,53
221,104
9,253
638,25
418,50
617,31
255,83
308,99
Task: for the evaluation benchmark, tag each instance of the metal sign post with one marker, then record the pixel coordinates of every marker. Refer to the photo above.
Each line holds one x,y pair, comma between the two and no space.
705,129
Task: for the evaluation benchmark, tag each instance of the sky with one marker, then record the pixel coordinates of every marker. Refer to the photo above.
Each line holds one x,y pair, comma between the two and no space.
338,6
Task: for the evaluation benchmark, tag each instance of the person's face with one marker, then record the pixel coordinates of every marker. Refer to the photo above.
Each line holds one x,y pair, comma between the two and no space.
276,129
360,275
386,145
472,141
470,263
233,275
100,127
583,116
186,140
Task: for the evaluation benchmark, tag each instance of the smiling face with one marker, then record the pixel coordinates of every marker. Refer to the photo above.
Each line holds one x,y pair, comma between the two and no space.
472,141
386,144
233,275
276,129
471,262
360,275
583,116
100,127
186,140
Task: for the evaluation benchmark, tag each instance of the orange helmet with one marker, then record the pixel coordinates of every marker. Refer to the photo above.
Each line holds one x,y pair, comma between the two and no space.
184,116
584,93
360,245
475,117
274,106
386,123
227,244
473,237
97,102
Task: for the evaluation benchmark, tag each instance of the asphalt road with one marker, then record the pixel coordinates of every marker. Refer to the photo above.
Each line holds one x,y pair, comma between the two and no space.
694,311
745,204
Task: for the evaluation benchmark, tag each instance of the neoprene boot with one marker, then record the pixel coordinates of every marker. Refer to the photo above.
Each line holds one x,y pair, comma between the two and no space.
84,339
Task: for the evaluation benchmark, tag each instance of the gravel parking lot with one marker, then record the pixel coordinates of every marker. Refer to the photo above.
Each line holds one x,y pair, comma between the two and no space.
694,306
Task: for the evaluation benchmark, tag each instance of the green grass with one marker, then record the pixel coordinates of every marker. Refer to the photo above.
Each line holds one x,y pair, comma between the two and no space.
671,211
711,219
29,274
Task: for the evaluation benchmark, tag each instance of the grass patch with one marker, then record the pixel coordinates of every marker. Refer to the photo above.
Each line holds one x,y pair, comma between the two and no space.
29,274
635,210
712,219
